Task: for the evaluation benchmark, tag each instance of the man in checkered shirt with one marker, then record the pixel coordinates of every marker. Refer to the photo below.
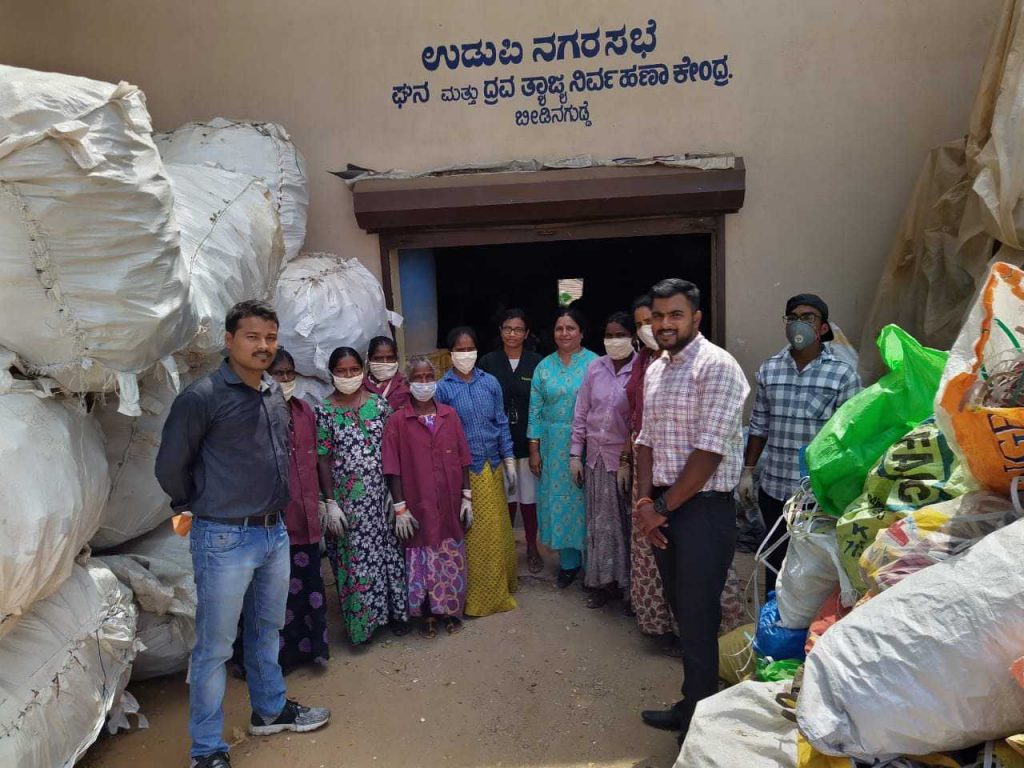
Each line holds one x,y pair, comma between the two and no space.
798,390
689,459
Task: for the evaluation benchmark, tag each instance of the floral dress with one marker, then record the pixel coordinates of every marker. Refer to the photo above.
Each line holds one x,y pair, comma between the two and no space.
367,558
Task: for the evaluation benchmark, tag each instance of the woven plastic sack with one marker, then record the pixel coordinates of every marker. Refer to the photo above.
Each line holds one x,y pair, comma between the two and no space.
741,727
812,569
264,150
231,241
931,535
736,657
136,503
988,439
846,448
53,485
62,668
158,570
922,667
325,302
918,470
92,281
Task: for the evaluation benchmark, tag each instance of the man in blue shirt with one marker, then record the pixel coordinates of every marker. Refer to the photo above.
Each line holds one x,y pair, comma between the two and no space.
224,457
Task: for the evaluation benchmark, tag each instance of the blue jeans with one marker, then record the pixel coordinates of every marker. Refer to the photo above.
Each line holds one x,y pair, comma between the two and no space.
236,566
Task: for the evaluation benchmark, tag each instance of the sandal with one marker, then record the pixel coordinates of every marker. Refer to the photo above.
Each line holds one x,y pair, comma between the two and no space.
534,562
454,625
599,599
428,628
399,628
566,577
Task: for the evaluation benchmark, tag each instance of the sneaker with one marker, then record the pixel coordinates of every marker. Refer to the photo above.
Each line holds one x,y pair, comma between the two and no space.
294,717
216,760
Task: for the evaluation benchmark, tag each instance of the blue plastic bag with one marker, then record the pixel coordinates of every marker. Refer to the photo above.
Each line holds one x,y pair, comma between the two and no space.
774,640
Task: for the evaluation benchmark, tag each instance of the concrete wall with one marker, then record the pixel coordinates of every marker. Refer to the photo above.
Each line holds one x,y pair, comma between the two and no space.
832,104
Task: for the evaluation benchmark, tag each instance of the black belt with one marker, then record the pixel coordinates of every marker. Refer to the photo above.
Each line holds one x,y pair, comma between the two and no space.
269,520
659,490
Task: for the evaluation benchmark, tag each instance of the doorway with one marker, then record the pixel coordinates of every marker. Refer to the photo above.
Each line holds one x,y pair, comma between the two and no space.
444,287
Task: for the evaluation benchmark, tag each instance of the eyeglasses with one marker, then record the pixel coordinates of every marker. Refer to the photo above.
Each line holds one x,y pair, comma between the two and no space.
513,331
807,317
284,376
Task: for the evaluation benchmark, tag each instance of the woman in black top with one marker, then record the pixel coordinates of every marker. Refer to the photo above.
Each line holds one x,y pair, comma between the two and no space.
512,366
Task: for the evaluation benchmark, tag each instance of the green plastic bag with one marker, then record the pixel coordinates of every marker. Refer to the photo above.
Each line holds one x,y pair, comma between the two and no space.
857,435
777,671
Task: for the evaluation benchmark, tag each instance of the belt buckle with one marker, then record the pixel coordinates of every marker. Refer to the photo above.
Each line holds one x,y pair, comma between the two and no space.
266,520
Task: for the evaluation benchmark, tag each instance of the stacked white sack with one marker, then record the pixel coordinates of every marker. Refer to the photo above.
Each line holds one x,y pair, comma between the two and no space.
313,391
158,569
63,667
325,302
924,666
264,150
231,243
136,503
92,282
53,485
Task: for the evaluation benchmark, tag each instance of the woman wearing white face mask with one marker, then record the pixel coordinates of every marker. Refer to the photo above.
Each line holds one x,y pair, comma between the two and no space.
426,460
647,596
383,377
367,557
600,430
490,548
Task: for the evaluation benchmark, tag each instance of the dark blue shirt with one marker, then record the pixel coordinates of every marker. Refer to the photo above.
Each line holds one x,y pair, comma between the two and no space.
481,408
224,450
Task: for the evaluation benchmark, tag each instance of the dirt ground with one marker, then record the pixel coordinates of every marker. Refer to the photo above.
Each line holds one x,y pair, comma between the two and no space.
550,684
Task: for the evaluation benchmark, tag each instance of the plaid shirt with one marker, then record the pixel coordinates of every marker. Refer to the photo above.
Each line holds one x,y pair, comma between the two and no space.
790,408
481,408
694,401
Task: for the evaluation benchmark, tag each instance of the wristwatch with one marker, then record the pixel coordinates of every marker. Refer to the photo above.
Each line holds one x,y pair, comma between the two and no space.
660,507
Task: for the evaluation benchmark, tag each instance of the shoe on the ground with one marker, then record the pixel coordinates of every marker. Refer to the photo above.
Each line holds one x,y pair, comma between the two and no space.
664,719
567,577
216,760
294,717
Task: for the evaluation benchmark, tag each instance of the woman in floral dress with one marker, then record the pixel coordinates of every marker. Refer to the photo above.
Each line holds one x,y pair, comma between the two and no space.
367,558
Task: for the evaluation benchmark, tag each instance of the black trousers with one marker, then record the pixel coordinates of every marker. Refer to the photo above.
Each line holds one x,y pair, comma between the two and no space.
701,542
771,511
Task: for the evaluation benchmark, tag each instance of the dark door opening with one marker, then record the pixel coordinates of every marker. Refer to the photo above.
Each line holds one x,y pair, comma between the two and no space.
474,284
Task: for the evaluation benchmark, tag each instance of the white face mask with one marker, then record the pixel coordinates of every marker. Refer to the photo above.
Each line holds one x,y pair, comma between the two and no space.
288,389
383,371
618,349
423,390
646,334
464,361
347,385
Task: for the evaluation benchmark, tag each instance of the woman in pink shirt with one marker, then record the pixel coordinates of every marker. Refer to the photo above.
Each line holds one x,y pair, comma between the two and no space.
600,431
426,460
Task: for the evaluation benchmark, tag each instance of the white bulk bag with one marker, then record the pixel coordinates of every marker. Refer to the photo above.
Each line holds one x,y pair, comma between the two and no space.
158,570
264,150
313,391
924,666
325,302
92,282
53,484
741,727
231,243
62,668
136,503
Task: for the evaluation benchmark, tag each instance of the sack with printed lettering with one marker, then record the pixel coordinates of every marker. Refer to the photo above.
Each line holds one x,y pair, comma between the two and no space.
980,405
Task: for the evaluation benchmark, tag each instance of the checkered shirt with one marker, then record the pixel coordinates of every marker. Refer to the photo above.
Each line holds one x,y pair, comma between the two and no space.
694,401
791,407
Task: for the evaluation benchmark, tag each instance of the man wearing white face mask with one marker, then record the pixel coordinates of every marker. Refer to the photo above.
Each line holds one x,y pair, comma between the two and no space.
600,429
490,548
798,390
383,377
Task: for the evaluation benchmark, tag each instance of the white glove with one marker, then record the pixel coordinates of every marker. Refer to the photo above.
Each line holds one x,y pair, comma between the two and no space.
510,475
405,523
466,510
576,469
624,477
336,519
746,487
